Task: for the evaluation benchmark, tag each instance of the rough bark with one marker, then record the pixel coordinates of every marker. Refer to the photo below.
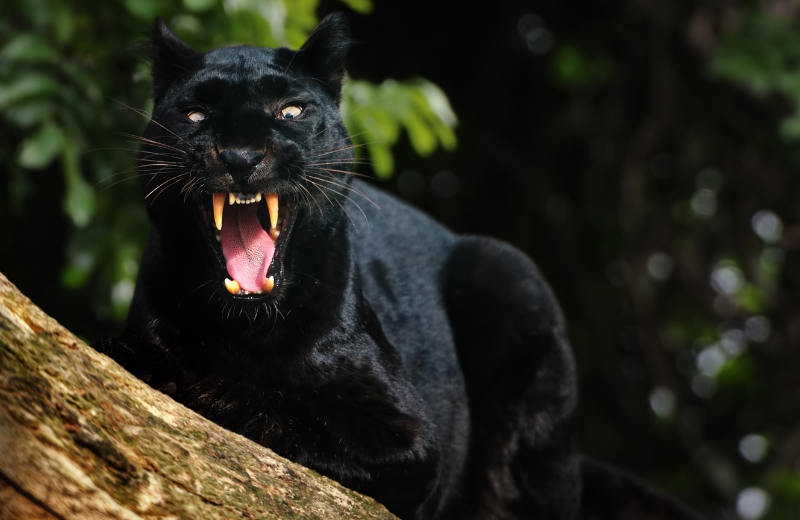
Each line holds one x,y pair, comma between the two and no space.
81,438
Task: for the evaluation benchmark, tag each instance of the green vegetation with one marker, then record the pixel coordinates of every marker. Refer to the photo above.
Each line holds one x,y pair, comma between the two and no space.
644,155
74,89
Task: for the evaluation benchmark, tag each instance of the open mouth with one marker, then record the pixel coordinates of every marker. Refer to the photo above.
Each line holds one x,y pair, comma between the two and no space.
248,227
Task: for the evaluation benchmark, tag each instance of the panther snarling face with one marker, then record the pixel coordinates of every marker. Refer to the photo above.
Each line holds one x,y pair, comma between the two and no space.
245,153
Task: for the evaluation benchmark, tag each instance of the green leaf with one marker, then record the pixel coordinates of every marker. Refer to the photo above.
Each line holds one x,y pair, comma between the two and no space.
438,102
382,160
762,56
301,18
570,66
39,149
751,299
360,6
790,127
419,133
199,5
79,202
27,114
121,296
73,277
143,9
376,113
25,87
28,47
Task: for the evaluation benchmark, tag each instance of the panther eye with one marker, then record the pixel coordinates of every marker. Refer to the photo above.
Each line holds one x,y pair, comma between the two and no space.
290,112
196,116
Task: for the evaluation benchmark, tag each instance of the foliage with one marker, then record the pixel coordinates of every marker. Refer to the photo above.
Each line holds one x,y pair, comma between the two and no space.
72,87
644,154
375,115
762,54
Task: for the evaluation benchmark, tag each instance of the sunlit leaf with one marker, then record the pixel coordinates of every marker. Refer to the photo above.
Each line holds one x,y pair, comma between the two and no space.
382,160
379,111
40,148
437,101
419,133
361,6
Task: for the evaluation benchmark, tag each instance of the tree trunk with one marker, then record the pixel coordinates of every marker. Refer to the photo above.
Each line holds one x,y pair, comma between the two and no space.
82,438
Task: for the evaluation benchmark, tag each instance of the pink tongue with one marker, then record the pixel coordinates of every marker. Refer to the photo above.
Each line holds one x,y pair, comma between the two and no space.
248,249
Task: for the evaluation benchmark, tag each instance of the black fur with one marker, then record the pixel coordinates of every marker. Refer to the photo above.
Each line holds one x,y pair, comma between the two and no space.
427,370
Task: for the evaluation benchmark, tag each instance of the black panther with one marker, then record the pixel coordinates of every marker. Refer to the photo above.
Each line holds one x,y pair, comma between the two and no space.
289,302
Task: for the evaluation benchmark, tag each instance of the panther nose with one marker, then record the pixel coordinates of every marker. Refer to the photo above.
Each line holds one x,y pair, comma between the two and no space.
240,161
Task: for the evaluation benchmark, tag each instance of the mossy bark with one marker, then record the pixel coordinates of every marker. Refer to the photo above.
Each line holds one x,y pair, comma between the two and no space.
81,438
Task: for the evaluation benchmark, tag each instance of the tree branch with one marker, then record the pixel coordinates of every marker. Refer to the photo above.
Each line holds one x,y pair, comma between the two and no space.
81,438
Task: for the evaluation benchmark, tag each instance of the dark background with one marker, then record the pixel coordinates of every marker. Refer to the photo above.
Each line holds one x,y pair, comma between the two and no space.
643,153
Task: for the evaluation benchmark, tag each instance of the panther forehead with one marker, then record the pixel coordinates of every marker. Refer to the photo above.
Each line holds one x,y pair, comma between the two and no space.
245,59
245,74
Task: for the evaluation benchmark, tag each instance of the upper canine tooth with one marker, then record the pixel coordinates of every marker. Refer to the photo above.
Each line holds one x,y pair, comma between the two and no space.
272,206
231,198
219,203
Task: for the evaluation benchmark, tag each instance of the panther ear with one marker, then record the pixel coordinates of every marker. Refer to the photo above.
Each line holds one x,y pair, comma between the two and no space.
325,51
169,57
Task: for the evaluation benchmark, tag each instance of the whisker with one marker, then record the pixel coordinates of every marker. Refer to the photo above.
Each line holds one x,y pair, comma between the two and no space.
175,181
323,131
353,201
320,190
347,187
138,139
348,216
352,147
120,173
144,174
203,284
350,136
311,198
156,161
186,188
163,183
340,121
113,184
144,114
341,164
328,171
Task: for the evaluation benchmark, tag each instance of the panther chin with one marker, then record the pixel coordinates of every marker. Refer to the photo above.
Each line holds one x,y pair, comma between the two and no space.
250,232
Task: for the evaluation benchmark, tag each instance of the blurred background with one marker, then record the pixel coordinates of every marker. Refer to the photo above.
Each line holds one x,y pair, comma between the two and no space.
642,152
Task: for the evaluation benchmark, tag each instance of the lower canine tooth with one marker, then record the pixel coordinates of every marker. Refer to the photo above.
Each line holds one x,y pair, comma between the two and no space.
269,283
274,233
232,286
